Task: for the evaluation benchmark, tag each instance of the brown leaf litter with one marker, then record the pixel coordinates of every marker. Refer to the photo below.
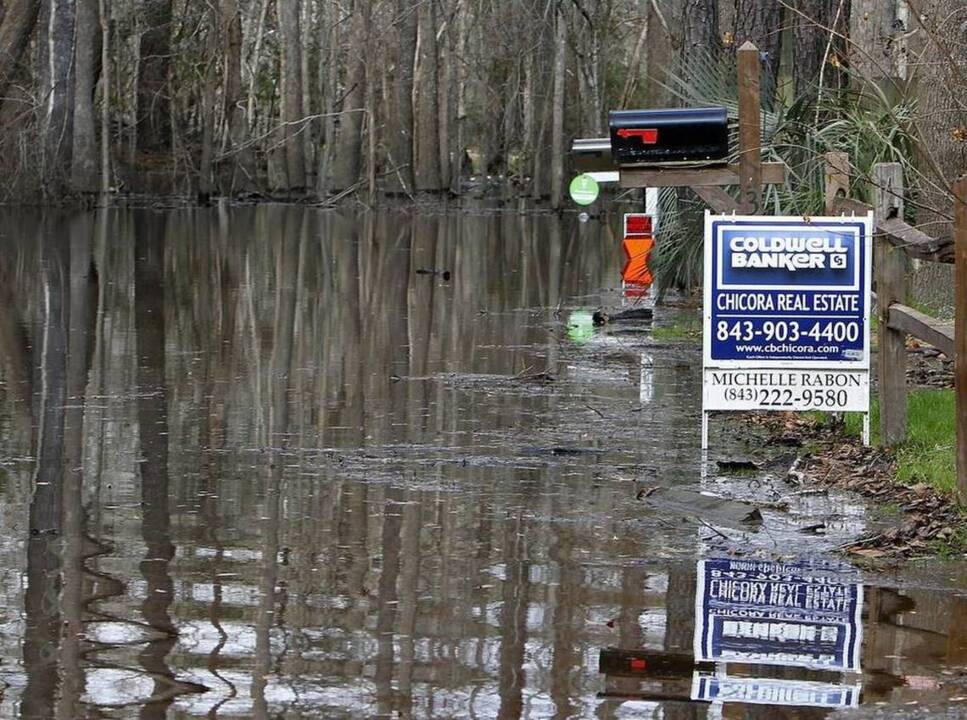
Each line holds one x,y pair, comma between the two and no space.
927,517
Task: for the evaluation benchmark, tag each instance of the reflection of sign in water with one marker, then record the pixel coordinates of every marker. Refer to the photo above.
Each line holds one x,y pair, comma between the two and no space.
646,385
751,611
768,691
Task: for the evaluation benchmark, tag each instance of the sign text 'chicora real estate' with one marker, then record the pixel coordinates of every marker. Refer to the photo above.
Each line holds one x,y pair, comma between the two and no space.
787,307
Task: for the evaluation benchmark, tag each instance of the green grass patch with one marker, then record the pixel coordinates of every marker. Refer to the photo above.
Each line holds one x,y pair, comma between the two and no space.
927,456
684,330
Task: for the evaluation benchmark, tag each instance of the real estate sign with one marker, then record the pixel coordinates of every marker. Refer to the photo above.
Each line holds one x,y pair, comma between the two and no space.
787,308
764,613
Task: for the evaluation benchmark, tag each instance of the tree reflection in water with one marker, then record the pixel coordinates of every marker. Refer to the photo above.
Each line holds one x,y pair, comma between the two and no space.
273,468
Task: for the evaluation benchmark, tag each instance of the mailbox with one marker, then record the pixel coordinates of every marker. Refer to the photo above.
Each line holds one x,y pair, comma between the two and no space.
673,135
592,155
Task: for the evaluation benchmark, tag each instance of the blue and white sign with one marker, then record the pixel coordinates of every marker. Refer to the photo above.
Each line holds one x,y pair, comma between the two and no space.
787,311
794,614
770,691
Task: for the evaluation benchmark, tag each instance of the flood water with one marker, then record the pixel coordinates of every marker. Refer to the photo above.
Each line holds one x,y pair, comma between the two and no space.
279,462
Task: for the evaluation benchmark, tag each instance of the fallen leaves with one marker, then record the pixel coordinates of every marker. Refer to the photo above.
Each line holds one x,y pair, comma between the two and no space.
927,518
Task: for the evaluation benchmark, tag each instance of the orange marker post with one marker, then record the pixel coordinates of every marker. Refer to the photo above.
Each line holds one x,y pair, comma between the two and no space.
637,245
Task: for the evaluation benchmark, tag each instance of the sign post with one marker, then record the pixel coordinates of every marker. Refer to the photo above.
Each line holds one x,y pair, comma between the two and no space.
786,319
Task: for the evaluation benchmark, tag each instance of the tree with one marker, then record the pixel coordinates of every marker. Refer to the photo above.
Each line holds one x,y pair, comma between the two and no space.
761,21
700,32
817,29
58,108
345,170
291,75
17,24
426,137
401,121
245,176
557,111
84,161
153,101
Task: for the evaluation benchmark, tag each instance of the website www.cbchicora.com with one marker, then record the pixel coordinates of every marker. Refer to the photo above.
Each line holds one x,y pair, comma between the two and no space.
773,348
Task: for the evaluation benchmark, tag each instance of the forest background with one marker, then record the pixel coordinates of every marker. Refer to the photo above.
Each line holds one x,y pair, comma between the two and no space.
319,99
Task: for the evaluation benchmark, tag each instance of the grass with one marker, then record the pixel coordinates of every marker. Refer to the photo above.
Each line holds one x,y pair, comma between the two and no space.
928,455
683,330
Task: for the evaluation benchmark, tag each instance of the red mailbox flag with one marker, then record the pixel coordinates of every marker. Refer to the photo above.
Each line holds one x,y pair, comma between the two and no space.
638,243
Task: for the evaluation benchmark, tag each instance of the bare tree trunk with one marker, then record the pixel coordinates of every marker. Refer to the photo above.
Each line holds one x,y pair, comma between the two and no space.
59,110
105,96
306,128
347,154
84,170
445,102
291,74
324,174
243,160
557,105
761,22
15,29
814,30
541,174
589,68
462,28
401,128
256,59
154,102
700,30
371,126
870,33
205,169
639,58
426,157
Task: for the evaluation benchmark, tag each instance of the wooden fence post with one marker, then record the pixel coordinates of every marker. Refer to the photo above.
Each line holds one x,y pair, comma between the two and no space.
890,272
960,331
837,178
750,129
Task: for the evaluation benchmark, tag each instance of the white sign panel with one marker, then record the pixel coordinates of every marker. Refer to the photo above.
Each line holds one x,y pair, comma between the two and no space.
787,310
777,389
767,691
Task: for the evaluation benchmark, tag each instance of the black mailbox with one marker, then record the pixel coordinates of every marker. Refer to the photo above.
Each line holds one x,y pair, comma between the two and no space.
651,137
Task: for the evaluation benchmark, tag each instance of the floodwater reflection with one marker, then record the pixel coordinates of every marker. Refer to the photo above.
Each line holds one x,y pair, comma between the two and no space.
275,460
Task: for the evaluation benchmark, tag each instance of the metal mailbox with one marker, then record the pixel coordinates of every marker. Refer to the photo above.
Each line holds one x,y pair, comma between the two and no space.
592,155
682,135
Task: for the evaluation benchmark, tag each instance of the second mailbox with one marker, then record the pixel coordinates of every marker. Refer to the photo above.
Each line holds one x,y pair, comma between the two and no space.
649,137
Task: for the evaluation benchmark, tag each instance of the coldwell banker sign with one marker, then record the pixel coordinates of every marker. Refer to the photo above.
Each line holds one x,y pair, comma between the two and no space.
787,303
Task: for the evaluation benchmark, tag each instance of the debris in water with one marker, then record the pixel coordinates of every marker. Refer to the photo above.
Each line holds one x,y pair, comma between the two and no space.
601,317
445,274
737,466
730,513
817,529
541,378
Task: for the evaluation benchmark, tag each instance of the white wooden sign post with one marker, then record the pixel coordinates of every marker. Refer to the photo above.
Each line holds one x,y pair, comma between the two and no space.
787,314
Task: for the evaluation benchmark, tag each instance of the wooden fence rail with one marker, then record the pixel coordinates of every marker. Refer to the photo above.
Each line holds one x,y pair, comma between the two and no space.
895,243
